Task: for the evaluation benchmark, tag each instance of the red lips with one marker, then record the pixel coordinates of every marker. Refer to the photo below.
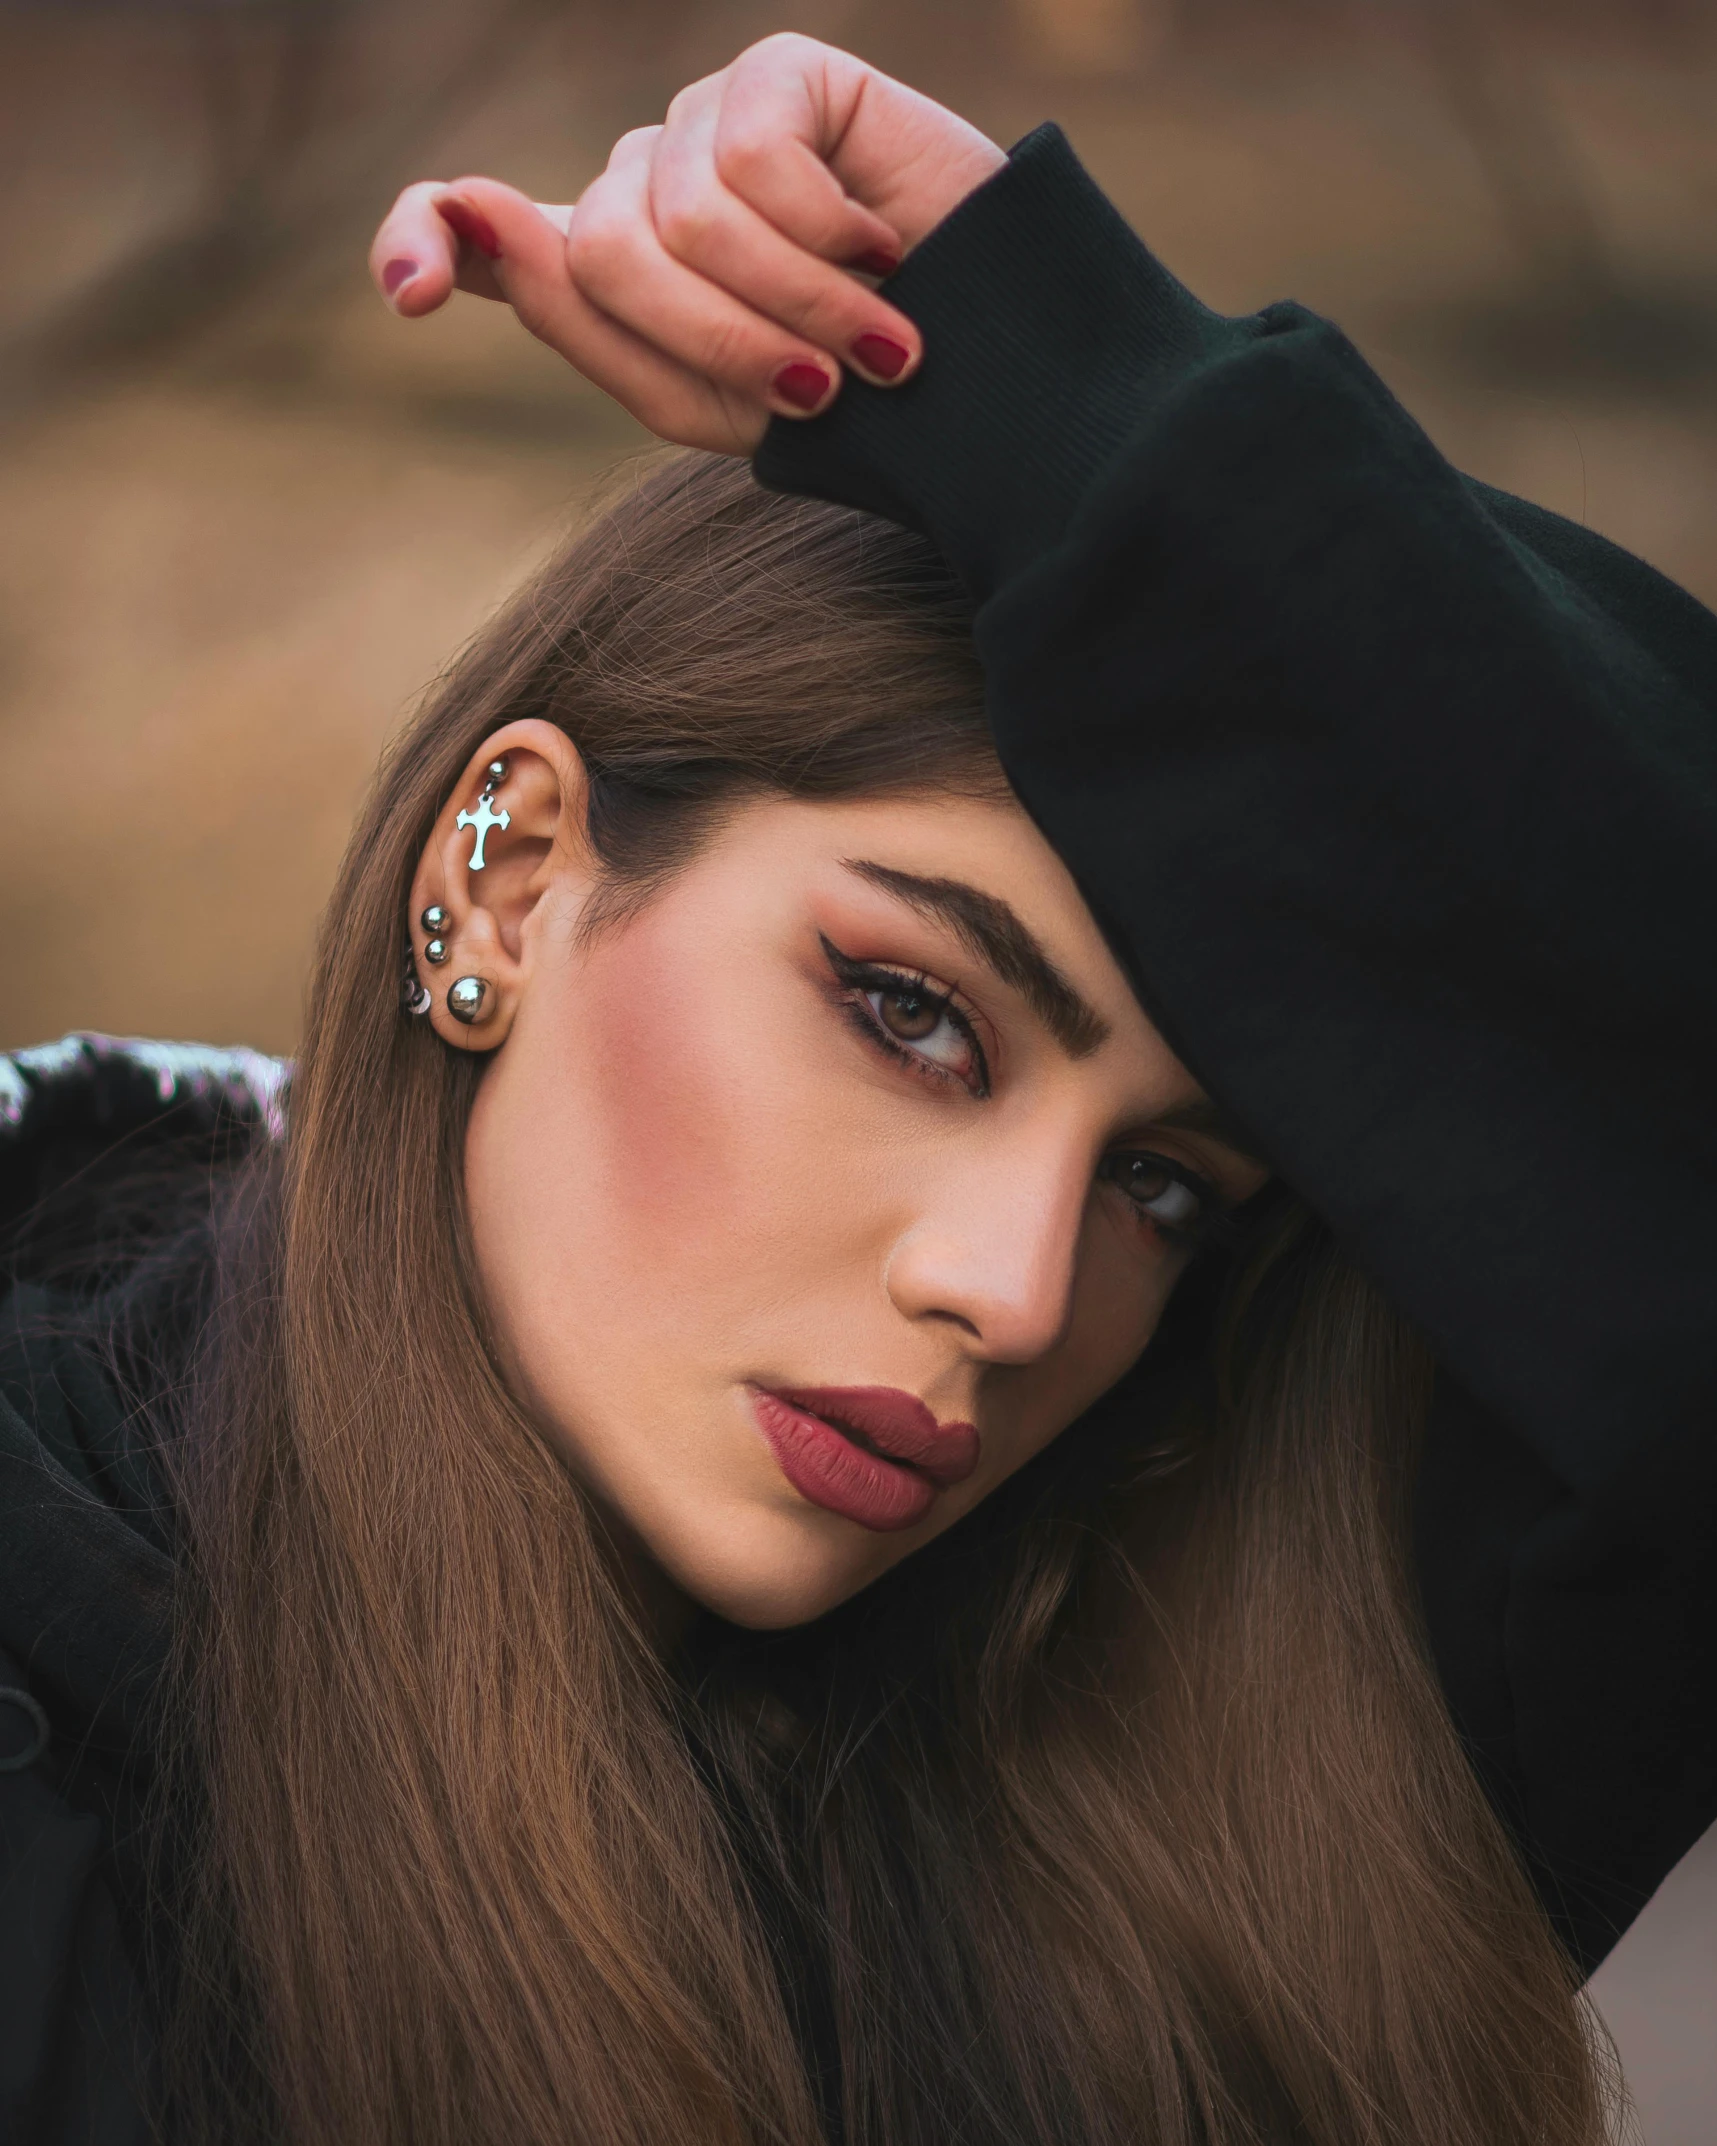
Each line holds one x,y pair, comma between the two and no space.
873,1454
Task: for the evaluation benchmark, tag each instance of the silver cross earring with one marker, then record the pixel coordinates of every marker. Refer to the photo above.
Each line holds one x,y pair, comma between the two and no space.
483,819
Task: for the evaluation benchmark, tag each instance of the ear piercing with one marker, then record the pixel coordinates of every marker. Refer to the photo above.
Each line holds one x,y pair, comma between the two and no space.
465,999
436,921
467,995
483,819
414,994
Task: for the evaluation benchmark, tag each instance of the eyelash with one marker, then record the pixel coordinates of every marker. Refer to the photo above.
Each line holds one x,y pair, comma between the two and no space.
859,977
1214,1225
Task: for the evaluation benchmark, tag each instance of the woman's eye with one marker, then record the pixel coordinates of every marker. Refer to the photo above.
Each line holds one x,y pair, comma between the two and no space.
910,1015
923,1020
1173,1201
907,1017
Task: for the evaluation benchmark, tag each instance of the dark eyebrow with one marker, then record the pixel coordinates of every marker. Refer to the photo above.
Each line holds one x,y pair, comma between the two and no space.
989,928
1213,1121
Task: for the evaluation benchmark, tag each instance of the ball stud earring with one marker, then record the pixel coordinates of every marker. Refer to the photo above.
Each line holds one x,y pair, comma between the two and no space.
435,920
465,999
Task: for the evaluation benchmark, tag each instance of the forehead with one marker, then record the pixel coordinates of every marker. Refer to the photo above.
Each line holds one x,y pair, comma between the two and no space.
988,844
989,841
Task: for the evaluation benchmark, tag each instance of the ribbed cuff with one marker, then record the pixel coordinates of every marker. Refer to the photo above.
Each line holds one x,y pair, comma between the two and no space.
1050,333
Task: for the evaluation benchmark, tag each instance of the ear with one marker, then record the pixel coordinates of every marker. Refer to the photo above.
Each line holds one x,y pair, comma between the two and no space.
524,800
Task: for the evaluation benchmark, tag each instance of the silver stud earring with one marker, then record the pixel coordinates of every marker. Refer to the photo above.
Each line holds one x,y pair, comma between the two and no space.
435,953
465,999
435,920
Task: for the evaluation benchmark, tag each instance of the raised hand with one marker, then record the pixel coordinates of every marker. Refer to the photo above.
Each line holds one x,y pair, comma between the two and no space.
722,268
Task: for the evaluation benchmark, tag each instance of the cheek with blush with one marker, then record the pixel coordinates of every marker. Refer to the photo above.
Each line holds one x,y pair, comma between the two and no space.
715,1153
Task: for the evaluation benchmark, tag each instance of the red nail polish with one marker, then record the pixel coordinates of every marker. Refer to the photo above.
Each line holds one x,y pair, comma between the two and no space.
396,273
878,262
882,355
802,384
470,224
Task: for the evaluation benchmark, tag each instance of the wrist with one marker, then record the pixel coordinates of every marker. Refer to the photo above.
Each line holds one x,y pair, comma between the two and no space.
1050,333
970,159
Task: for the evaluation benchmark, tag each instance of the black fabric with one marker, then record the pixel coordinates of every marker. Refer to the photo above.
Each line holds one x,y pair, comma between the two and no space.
1398,799
93,1137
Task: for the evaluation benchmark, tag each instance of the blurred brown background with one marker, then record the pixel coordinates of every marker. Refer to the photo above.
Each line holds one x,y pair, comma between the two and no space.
246,514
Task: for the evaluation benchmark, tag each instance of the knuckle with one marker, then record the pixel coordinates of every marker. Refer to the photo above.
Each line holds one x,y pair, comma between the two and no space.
685,223
744,151
831,321
778,46
727,352
596,241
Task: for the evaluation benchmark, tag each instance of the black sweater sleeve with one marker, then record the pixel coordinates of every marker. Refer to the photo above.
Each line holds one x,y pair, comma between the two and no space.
1398,798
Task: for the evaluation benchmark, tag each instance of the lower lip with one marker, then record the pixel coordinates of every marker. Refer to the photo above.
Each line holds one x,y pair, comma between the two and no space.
827,1469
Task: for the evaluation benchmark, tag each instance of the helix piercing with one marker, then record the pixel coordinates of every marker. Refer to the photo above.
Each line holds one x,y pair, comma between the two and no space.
435,953
465,999
435,920
483,819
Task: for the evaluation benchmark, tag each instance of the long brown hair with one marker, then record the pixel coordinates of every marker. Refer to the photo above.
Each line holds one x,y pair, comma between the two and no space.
1128,1811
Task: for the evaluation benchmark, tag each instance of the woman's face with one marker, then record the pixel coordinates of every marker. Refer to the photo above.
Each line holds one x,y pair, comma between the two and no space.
818,1196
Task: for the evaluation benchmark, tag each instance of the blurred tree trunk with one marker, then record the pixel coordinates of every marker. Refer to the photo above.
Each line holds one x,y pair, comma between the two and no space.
264,66
302,128
1498,100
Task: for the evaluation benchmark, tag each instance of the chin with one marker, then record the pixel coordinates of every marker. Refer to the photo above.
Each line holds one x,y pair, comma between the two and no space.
774,1575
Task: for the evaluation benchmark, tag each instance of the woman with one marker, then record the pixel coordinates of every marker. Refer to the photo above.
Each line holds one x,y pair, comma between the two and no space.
988,1417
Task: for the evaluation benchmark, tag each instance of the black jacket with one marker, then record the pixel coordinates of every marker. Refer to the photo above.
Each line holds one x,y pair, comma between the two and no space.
86,1565
1398,798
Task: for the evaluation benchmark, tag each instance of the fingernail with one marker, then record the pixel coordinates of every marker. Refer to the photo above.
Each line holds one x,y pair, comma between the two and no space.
802,384
878,262
396,273
471,225
882,355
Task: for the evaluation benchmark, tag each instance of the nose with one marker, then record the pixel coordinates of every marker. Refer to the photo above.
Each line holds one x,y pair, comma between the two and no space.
993,1249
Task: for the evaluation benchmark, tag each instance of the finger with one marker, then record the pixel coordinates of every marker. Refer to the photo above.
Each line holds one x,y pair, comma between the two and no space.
797,193
617,261
429,246
673,400
419,257
413,255
708,229
799,118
